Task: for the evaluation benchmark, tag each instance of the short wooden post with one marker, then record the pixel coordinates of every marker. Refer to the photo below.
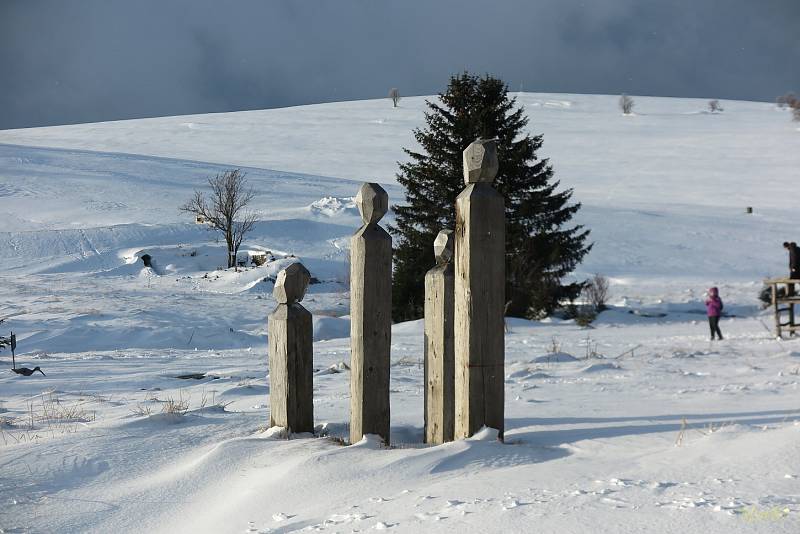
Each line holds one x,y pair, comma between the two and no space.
291,381
370,317
479,295
439,348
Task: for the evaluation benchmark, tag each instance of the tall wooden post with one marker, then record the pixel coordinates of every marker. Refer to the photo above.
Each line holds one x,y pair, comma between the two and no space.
479,295
439,353
790,296
370,317
291,382
776,309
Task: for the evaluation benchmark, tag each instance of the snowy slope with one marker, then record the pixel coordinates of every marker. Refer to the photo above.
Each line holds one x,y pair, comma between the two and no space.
636,424
670,151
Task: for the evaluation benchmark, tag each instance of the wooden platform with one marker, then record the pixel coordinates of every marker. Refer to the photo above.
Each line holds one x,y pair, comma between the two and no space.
784,304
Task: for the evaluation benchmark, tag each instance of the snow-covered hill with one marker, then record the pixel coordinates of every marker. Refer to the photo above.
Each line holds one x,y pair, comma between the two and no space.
637,423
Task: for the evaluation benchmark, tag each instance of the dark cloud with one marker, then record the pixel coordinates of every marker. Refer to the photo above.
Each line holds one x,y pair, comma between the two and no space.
93,60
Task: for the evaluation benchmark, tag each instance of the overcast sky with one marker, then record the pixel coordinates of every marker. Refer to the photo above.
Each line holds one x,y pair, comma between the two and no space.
91,60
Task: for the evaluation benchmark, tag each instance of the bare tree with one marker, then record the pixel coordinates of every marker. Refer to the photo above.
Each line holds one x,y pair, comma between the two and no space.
791,101
626,104
394,95
596,292
794,103
224,210
714,106
784,101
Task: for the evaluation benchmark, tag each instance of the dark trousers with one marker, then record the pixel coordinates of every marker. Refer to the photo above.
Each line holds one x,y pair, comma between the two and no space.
713,323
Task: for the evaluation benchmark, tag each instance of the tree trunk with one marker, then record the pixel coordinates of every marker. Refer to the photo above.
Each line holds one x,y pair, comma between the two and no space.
231,252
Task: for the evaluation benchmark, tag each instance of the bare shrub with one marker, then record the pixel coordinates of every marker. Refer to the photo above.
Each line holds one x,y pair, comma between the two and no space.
141,410
785,101
714,106
54,411
596,292
49,415
214,404
626,104
175,406
585,316
344,279
791,101
591,348
555,345
681,432
394,96
224,210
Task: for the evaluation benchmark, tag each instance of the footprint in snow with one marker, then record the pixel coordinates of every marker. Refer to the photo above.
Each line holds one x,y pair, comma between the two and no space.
337,519
421,499
251,527
429,515
510,504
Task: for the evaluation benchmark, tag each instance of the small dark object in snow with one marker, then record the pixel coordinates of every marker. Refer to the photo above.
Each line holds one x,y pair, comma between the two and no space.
146,259
24,371
314,280
193,376
647,314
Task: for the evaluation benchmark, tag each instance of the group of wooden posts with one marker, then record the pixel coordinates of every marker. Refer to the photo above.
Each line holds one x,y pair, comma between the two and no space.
464,330
784,298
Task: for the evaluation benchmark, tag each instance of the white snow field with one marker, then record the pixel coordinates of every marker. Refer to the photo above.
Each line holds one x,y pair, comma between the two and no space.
638,424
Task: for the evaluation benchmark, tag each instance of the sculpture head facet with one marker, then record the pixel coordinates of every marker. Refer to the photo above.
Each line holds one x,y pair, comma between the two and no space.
291,284
373,202
480,161
443,246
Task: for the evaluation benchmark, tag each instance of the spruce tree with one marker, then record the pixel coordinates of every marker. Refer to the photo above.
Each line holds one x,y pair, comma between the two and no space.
540,248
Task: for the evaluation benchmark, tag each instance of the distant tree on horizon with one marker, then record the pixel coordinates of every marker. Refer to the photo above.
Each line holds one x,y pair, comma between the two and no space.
714,106
394,96
541,247
784,100
791,101
224,210
626,104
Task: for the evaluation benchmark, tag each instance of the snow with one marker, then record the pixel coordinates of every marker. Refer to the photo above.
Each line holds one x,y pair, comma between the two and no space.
638,423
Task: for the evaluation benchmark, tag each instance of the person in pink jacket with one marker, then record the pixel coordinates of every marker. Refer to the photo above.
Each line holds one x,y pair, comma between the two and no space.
714,310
